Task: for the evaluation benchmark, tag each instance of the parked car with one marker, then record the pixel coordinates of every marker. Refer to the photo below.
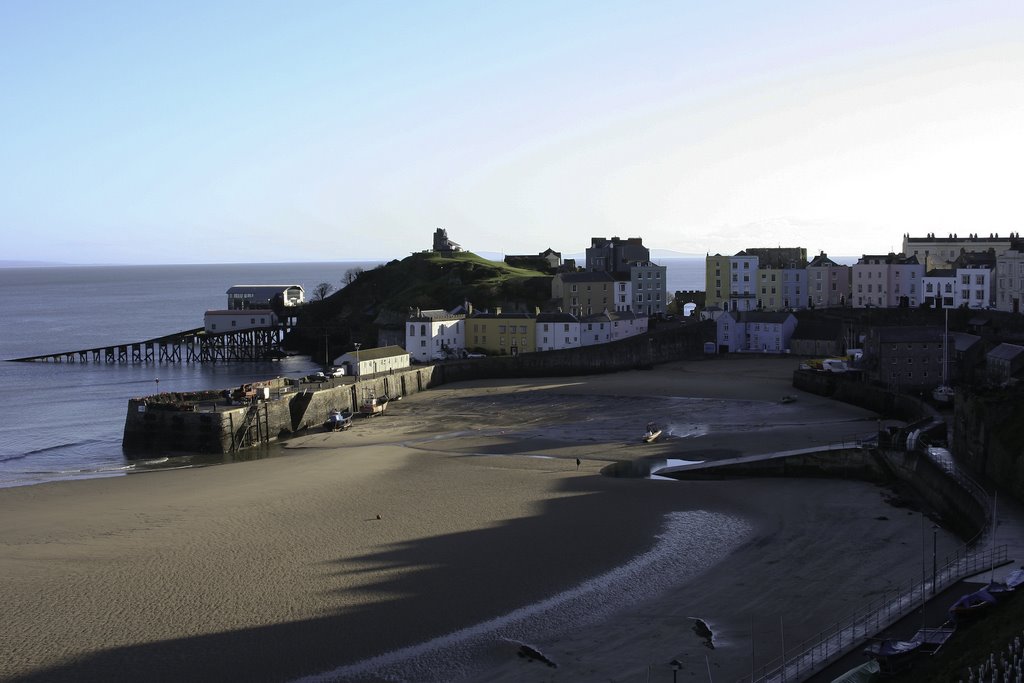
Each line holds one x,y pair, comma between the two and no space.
315,377
336,372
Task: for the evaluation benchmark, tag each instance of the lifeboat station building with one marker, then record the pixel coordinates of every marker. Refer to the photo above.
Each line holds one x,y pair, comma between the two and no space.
241,297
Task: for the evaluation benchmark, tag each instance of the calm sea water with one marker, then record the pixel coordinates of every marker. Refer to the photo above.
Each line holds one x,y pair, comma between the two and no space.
61,421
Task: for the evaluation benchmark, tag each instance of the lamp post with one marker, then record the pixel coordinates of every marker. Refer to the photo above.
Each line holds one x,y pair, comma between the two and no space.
157,380
935,571
357,345
676,666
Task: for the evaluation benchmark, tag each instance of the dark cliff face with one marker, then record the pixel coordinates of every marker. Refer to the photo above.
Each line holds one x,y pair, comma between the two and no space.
989,435
381,298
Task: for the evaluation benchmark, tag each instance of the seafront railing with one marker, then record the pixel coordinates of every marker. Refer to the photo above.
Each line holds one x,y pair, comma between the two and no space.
809,656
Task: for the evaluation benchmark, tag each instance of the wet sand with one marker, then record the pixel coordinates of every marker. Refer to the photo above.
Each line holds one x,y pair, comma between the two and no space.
279,569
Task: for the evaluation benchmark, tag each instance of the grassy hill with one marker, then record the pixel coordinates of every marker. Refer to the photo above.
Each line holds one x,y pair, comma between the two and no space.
424,280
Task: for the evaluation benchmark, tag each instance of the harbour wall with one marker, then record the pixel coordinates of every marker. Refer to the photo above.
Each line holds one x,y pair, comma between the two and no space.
849,388
155,426
964,507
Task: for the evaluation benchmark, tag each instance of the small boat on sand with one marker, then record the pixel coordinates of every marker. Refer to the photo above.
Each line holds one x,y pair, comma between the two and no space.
788,398
652,433
372,404
338,421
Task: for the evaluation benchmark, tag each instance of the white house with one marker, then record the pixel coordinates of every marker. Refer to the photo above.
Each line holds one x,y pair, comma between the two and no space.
557,331
596,329
940,288
623,295
627,324
235,321
755,331
975,286
435,335
373,361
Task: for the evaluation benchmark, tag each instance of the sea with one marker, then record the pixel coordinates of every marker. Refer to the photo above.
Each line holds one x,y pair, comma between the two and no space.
61,421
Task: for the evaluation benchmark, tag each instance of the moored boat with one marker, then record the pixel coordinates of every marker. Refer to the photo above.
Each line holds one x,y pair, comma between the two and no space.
652,433
372,404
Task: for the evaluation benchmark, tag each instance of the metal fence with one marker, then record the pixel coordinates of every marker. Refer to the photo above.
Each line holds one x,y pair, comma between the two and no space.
806,658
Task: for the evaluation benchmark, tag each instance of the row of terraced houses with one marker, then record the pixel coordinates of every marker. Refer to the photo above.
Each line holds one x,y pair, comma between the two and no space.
941,272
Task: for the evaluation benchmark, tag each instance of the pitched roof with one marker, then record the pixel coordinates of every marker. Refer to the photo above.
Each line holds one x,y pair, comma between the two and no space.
1006,352
557,317
378,352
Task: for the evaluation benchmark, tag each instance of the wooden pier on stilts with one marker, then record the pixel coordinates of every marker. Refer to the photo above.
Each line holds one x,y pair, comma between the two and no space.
190,346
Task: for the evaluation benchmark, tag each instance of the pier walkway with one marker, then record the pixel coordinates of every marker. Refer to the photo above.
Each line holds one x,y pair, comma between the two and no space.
190,346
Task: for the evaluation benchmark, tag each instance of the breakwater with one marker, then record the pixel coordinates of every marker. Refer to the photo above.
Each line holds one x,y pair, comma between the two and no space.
208,422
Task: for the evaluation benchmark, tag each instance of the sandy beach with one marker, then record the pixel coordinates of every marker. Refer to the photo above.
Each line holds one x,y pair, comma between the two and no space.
431,543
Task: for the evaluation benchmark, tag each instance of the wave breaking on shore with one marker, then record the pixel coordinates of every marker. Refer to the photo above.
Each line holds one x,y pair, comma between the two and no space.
688,543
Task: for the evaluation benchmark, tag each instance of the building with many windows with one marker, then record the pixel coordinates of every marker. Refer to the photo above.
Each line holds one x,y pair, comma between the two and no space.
435,335
501,333
586,293
649,288
1009,277
887,281
755,331
828,283
934,252
939,288
905,358
716,281
557,331
614,255
238,320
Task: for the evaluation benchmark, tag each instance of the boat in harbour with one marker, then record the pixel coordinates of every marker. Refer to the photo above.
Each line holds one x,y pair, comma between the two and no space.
652,433
371,404
338,421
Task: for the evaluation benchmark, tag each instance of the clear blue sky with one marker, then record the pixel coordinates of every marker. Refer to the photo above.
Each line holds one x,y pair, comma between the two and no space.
140,132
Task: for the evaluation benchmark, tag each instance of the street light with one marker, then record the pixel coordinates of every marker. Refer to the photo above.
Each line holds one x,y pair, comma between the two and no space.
935,580
357,345
676,666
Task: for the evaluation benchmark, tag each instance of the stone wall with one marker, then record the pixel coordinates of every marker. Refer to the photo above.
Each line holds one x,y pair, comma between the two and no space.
989,435
154,428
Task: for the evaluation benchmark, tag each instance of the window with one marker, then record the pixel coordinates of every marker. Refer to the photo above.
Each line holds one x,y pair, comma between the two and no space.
501,330
423,343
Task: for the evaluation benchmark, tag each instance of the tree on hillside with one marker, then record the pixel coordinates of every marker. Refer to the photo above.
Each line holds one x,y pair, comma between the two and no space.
351,275
322,290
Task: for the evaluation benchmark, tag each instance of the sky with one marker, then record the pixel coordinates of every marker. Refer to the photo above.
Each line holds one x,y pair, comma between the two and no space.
221,132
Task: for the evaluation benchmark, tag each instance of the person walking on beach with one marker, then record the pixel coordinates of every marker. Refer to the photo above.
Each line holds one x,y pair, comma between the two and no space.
577,464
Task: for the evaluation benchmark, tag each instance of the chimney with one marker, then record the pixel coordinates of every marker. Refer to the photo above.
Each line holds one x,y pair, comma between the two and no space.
497,310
